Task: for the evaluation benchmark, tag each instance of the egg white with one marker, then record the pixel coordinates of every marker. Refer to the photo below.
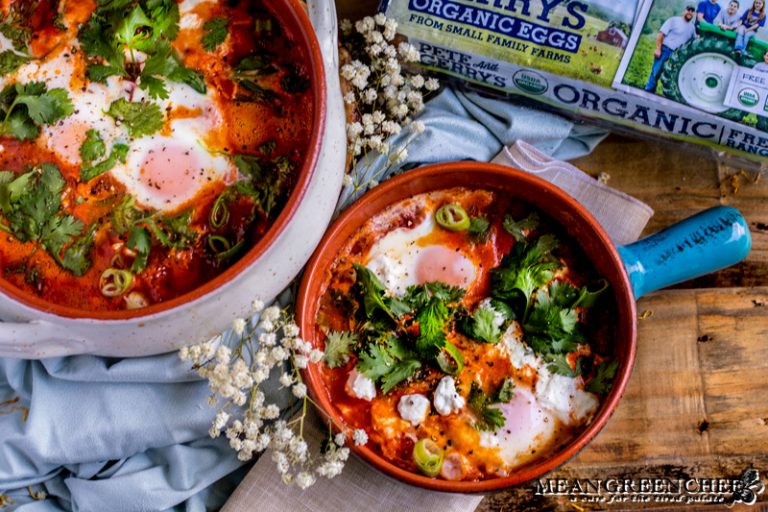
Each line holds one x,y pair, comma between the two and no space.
394,258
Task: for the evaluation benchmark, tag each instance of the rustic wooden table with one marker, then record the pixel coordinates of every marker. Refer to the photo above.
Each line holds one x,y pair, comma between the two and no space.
697,403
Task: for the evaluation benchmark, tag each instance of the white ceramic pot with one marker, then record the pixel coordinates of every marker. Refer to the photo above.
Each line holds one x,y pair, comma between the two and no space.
29,332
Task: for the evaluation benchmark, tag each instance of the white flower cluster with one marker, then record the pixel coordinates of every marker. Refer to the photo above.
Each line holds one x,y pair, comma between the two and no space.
386,95
250,423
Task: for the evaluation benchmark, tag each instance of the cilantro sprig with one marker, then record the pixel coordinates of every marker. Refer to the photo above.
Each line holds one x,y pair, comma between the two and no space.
26,107
10,61
338,346
117,29
31,208
488,418
602,382
93,153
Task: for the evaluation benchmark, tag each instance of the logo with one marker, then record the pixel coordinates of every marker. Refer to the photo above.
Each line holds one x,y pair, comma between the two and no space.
751,486
673,491
530,82
748,97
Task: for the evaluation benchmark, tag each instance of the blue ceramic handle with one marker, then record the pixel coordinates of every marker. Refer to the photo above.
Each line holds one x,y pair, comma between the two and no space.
709,241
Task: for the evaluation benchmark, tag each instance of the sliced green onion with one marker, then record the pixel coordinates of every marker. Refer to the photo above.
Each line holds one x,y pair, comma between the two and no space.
114,282
428,457
135,300
222,248
452,217
219,212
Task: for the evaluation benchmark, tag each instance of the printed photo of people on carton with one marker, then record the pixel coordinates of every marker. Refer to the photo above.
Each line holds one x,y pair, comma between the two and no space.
699,53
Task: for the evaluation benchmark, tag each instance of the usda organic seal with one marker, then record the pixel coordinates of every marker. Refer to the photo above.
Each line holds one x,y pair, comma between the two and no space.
748,97
530,82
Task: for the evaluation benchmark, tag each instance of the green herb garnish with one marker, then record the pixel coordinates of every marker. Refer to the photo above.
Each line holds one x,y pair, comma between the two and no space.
27,107
488,418
139,118
481,326
31,204
389,362
92,153
479,228
516,228
10,61
602,382
215,33
338,346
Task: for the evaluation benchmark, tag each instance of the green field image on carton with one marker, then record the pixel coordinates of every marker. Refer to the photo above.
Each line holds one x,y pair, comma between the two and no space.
595,61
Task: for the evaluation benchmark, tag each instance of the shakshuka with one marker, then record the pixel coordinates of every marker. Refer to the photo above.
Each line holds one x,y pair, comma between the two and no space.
145,145
466,333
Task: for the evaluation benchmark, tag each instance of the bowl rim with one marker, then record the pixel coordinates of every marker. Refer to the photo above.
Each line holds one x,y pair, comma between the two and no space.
392,191
303,33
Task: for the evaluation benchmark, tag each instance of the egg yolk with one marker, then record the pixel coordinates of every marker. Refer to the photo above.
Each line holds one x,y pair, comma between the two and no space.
171,171
438,263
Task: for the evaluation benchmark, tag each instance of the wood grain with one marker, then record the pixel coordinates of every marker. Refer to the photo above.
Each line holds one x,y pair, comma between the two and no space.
678,184
696,406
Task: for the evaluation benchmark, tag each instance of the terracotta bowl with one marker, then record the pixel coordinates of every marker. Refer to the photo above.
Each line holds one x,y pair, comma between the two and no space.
562,208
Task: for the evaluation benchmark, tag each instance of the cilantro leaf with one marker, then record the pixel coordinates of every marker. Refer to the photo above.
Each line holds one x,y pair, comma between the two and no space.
338,346
550,328
524,269
76,258
92,149
417,296
125,214
140,118
389,362
602,382
432,321
25,107
481,326
506,391
10,61
488,418
516,228
255,64
375,298
100,72
401,371
140,241
215,33
558,364
16,27
479,228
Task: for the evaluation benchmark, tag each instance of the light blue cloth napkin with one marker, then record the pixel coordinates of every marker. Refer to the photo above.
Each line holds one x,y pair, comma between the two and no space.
100,434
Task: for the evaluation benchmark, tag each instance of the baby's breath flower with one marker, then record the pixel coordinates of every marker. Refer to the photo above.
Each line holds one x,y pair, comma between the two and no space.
345,26
257,305
286,380
417,126
364,25
267,339
380,19
299,390
291,330
432,84
300,361
340,439
304,480
272,314
360,437
347,181
370,95
238,326
316,355
417,81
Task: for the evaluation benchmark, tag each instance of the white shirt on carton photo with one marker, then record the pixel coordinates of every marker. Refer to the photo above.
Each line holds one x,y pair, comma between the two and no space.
677,32
726,19
761,66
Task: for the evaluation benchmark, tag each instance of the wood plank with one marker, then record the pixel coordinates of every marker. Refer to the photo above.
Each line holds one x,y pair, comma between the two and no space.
678,184
696,406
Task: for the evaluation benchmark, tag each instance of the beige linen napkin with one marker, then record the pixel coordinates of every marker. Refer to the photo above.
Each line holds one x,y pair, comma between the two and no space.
362,488
623,217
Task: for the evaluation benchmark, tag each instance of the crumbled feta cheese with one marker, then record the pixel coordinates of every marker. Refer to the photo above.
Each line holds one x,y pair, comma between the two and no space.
190,21
360,386
446,400
413,408
390,272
